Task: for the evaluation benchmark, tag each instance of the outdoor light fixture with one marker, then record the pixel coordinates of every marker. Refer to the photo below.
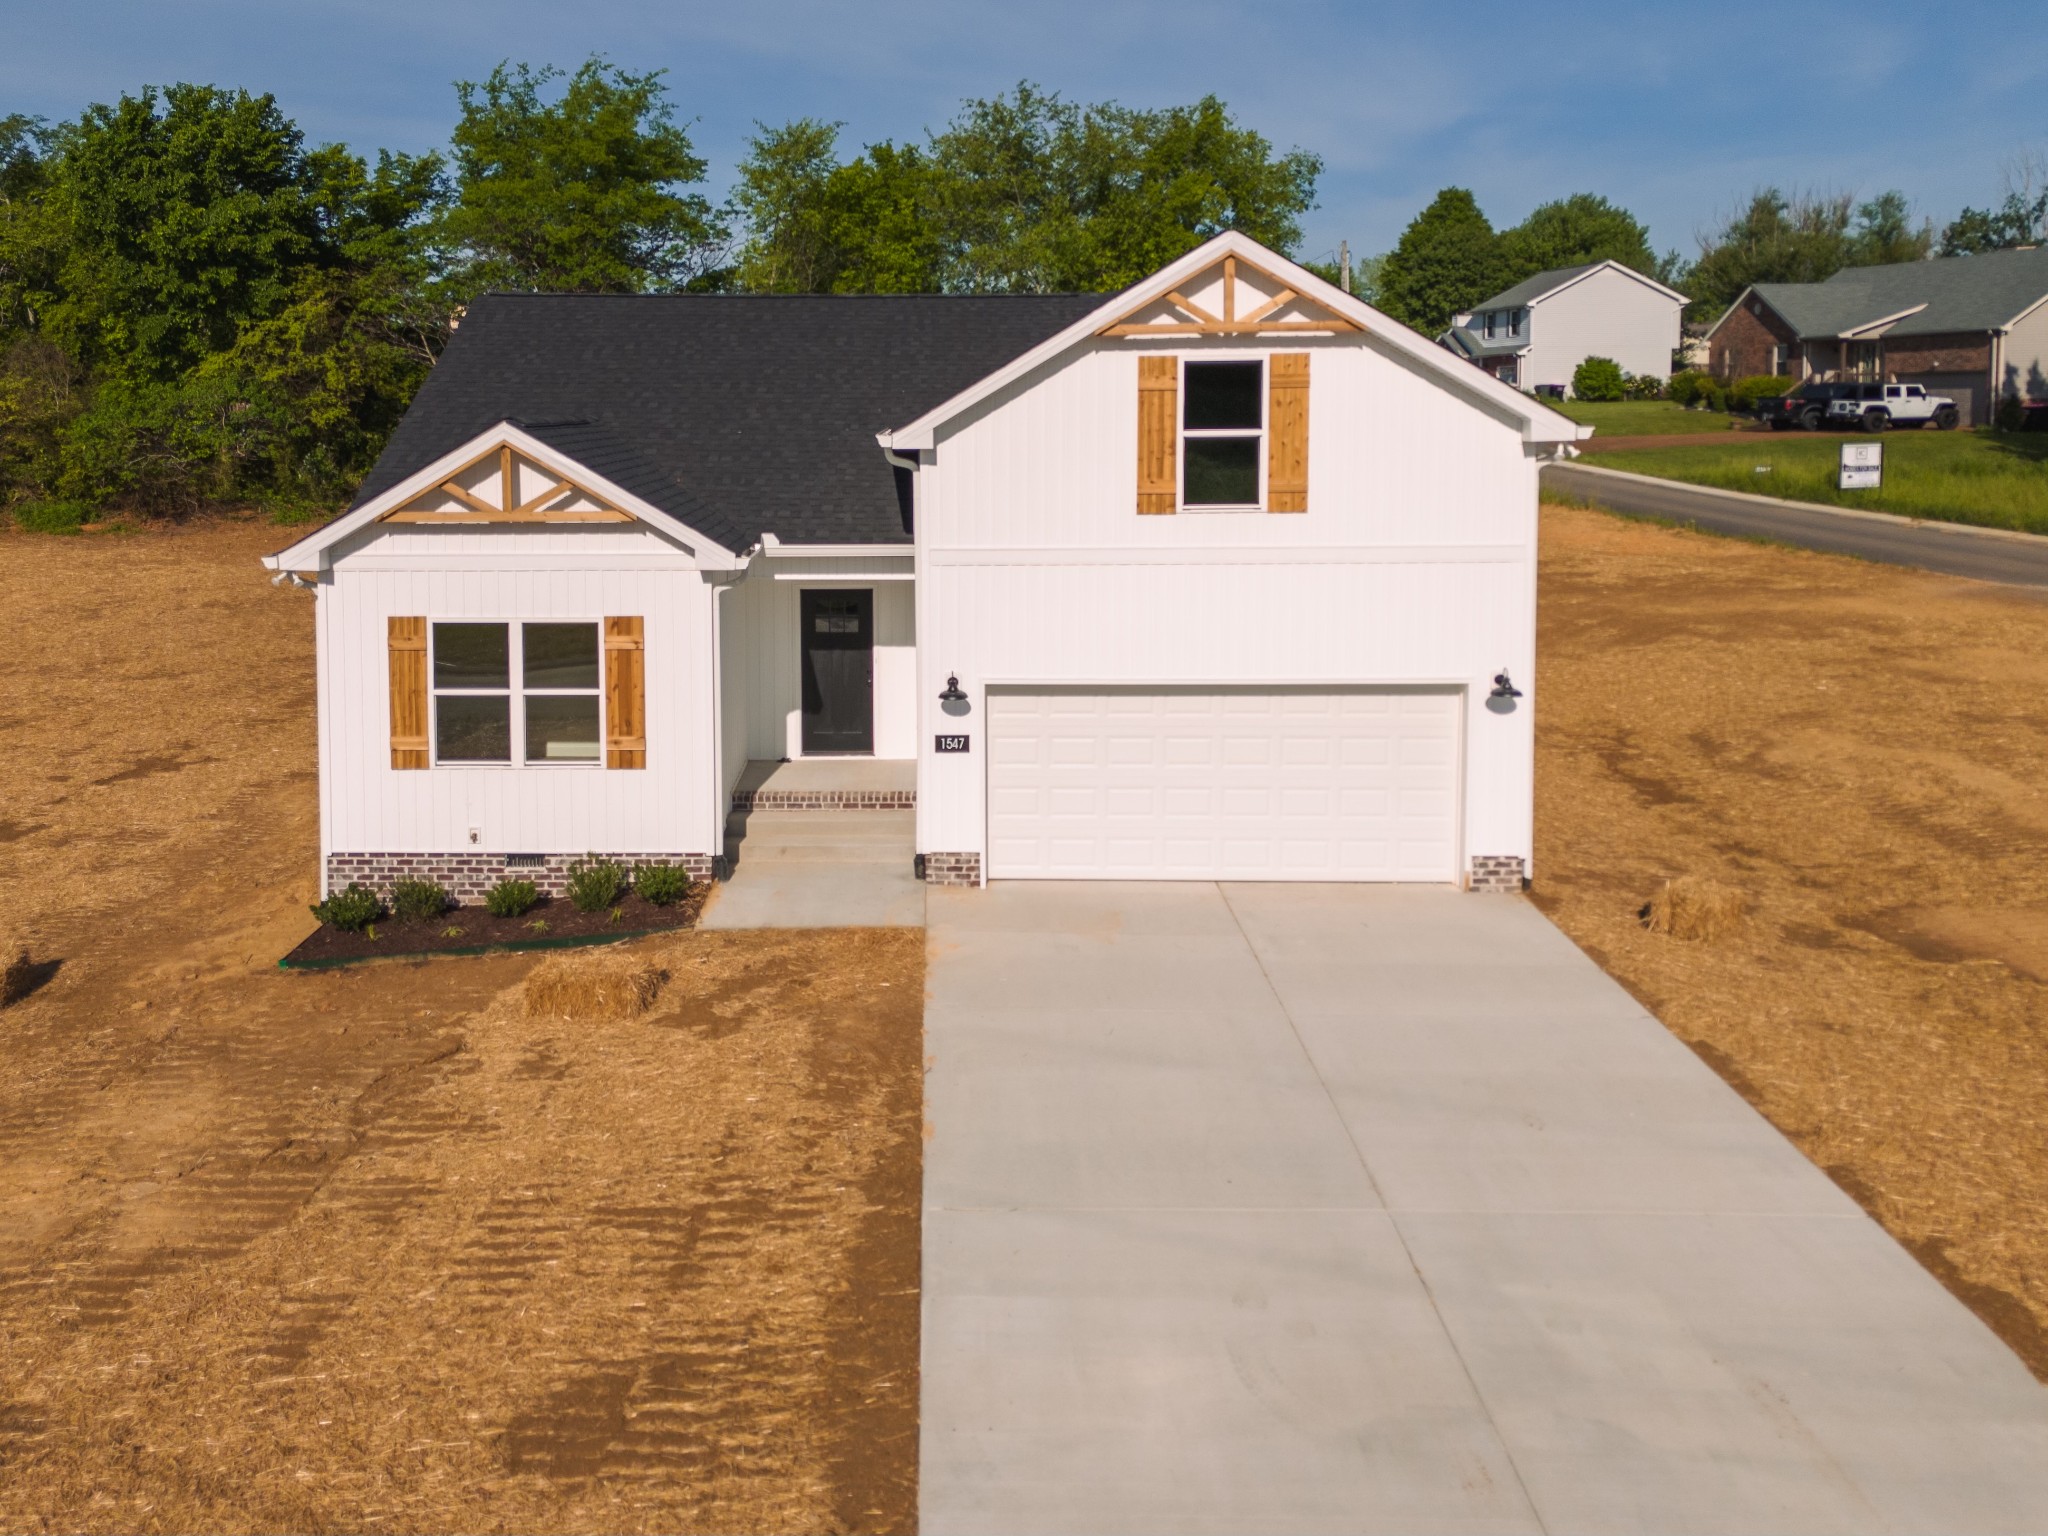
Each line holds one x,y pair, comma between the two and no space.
952,693
1502,688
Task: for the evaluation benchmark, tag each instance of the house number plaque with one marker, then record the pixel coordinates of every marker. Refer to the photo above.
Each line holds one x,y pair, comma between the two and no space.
949,743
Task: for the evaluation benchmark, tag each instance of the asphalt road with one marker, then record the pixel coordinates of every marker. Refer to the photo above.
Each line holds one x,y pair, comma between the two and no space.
1950,548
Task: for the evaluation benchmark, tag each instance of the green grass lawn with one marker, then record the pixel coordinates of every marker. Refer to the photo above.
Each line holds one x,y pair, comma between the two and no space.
1996,479
1644,418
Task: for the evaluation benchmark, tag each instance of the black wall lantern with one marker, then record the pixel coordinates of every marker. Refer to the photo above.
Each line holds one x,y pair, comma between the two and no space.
951,694
1502,700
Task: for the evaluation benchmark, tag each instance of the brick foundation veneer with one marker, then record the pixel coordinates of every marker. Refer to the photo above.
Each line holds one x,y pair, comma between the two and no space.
1496,872
824,799
468,875
952,869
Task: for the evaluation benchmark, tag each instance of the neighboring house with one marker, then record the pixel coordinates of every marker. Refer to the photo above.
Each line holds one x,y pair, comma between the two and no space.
1969,327
1208,579
1535,334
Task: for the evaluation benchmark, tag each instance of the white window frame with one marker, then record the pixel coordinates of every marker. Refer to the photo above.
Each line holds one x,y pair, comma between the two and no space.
1489,323
515,692
1184,432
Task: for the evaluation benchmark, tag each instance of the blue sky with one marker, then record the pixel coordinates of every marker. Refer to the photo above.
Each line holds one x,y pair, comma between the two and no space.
1674,111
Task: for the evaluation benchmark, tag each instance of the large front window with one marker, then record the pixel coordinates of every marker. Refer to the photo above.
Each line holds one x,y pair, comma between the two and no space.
550,709
1223,434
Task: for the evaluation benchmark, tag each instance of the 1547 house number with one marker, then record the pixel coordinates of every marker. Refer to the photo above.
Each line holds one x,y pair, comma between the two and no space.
949,743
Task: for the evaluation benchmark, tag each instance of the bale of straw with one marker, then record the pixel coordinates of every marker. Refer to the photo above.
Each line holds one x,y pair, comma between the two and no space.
595,984
1691,907
16,968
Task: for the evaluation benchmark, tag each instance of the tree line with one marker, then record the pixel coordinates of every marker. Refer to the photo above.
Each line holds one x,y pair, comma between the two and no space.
199,308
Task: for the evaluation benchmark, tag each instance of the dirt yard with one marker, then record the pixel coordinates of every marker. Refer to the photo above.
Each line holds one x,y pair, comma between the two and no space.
1860,750
369,1249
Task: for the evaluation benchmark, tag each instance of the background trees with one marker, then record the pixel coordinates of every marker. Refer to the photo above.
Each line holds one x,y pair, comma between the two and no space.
1021,193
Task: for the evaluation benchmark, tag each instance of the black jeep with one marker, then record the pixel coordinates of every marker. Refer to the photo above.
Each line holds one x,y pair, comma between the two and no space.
1805,407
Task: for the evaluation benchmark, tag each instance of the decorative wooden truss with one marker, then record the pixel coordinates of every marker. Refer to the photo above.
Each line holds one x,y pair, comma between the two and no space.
467,495
1269,307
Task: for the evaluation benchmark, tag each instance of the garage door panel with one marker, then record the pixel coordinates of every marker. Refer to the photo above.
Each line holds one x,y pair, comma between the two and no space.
1279,784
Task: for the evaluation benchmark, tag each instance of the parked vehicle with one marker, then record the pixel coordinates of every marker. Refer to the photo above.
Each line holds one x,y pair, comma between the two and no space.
1878,407
1806,407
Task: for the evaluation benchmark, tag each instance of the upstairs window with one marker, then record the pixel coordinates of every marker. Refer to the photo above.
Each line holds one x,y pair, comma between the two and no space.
1489,325
1223,434
553,713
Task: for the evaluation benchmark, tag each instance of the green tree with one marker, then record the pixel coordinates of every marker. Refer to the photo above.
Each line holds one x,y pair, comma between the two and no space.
1446,261
202,310
1884,233
1018,193
1574,231
582,193
2019,220
819,226
1806,239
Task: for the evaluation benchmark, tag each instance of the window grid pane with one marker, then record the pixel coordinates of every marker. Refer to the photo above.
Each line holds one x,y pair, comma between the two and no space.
471,656
473,728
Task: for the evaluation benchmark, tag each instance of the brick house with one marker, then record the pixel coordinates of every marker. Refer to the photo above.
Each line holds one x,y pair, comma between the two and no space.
1969,327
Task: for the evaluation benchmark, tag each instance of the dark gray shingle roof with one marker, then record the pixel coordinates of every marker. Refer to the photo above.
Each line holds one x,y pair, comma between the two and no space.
1962,293
1530,289
737,414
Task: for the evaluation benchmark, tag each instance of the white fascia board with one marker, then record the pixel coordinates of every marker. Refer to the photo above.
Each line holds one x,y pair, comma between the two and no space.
1878,325
314,551
775,549
1539,423
1629,272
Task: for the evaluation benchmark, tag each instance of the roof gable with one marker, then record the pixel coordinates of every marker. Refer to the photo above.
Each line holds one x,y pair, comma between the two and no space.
507,474
1164,298
1543,285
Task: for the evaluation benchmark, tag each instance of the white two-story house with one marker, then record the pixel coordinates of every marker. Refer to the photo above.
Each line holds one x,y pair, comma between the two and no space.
1535,334
1224,576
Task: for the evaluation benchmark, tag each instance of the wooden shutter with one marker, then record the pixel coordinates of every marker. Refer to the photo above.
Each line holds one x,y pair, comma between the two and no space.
408,645
1158,433
1287,432
625,693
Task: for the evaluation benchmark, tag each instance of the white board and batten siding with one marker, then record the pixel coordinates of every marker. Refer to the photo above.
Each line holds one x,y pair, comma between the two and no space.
1413,569
514,574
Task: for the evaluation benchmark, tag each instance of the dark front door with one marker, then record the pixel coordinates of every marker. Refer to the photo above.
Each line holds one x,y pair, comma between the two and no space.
839,671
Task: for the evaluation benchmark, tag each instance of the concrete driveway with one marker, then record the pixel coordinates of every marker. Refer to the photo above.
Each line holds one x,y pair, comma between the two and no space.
1354,1208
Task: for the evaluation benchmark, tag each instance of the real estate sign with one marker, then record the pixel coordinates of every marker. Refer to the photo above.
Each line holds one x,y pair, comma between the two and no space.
1862,466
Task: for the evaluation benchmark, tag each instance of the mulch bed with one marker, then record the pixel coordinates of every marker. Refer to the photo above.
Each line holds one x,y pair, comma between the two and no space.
470,930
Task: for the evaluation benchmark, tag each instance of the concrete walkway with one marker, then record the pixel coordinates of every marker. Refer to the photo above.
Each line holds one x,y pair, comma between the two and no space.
819,869
1355,1208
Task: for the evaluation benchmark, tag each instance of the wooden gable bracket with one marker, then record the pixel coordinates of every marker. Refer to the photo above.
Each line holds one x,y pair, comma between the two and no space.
1201,322
535,509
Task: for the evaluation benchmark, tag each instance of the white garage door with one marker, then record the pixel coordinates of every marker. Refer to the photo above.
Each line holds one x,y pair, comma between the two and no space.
1240,784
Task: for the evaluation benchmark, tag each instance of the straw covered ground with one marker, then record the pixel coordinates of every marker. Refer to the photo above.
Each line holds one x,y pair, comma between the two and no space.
402,1247
1839,764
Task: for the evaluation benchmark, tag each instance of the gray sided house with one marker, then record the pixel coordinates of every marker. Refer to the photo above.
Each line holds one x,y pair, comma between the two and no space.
1969,327
1535,334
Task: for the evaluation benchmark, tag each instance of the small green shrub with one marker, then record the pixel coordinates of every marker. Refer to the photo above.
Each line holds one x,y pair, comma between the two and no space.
662,884
596,883
1691,387
350,910
1744,393
51,516
422,900
1643,386
2011,414
1597,378
511,898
